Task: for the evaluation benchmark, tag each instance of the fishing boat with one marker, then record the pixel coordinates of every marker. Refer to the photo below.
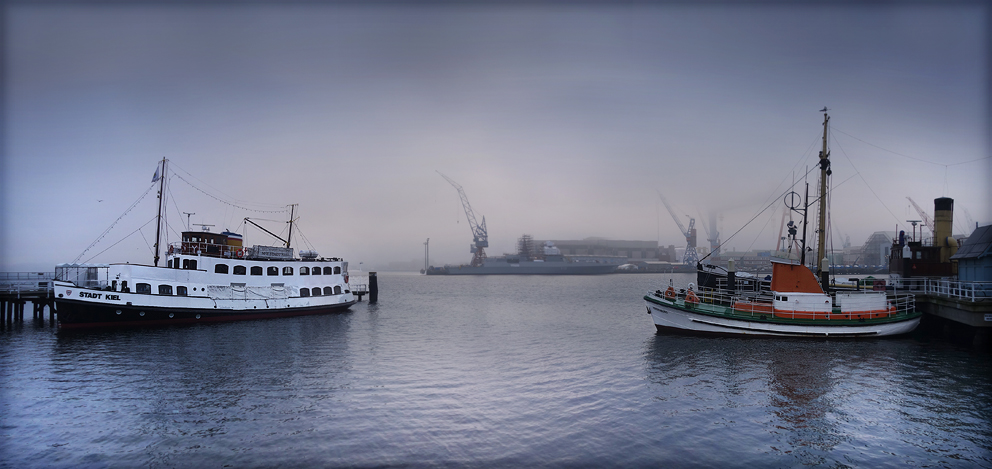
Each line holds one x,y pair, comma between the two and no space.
207,277
796,303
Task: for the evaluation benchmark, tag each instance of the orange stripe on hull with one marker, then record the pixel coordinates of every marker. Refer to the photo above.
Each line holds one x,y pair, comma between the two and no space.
751,307
874,314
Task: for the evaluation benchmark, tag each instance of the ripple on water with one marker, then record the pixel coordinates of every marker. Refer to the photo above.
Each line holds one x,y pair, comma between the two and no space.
511,371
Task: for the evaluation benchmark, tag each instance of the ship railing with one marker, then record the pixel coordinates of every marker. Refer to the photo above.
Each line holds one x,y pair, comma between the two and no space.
744,285
897,304
84,275
26,283
946,288
190,248
957,289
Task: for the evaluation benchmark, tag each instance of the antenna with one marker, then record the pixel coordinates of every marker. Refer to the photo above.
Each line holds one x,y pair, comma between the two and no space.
188,214
914,223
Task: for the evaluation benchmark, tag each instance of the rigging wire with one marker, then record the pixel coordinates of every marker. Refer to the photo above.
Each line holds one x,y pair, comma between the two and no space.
225,201
945,165
773,202
235,200
150,187
150,249
857,172
119,241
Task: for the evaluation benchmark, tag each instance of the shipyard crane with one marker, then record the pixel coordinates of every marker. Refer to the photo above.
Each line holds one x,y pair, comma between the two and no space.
690,257
480,238
970,222
712,234
927,219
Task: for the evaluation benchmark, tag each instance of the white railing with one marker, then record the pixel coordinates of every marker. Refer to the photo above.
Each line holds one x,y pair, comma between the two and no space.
25,282
947,288
971,291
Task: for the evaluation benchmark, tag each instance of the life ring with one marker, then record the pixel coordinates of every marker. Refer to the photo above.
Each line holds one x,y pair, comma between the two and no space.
670,293
241,252
691,297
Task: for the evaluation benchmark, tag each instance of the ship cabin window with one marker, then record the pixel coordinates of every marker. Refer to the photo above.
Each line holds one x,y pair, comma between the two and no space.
287,271
328,291
315,271
337,289
181,291
304,270
785,298
239,270
143,288
272,271
316,291
256,270
113,285
328,271
220,269
304,292
124,288
337,270
189,264
165,289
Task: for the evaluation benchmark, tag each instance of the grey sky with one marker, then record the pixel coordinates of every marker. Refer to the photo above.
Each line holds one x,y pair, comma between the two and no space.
560,122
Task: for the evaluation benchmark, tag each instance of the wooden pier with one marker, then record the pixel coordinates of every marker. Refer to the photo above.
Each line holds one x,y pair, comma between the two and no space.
17,289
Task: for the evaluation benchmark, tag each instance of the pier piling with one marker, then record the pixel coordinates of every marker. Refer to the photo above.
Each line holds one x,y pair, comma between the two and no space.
373,288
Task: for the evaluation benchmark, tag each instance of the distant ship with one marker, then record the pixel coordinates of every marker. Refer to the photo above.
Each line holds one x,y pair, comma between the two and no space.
527,262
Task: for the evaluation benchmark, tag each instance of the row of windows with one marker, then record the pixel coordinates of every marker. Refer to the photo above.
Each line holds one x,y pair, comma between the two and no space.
146,289
271,270
316,291
190,264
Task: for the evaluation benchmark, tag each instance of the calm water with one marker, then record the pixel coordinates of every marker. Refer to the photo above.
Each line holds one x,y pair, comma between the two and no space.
486,371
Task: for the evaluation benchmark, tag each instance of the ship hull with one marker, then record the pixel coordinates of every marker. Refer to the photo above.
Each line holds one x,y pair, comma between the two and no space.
675,316
532,268
83,316
79,308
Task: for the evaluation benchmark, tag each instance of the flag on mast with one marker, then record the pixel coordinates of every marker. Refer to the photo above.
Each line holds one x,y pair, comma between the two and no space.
157,175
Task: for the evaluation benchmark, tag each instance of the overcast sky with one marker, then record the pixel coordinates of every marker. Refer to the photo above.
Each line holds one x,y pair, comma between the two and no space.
560,122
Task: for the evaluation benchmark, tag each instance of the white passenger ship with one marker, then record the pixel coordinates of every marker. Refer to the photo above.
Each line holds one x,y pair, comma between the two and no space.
208,277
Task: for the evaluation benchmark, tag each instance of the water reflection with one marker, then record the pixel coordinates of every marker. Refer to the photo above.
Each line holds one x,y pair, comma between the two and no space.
156,388
766,393
800,381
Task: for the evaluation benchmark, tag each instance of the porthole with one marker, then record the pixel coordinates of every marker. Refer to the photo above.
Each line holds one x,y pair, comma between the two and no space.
197,316
141,313
118,312
171,315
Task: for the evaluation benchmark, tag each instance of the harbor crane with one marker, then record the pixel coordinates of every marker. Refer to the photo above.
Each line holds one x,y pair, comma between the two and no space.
927,219
690,257
480,238
712,234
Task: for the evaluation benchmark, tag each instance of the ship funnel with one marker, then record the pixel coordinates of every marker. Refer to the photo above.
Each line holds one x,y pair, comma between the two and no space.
943,217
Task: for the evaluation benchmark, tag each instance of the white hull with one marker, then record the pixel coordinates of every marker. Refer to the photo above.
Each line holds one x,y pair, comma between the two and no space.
675,318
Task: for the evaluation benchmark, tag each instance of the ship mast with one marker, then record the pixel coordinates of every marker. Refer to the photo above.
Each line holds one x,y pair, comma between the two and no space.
161,200
289,238
821,229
